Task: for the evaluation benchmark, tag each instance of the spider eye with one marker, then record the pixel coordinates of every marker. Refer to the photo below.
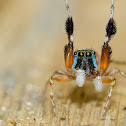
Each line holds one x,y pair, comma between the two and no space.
94,53
81,54
88,54
75,53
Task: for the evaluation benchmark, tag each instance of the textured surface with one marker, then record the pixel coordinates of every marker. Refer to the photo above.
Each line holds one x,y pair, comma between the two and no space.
32,39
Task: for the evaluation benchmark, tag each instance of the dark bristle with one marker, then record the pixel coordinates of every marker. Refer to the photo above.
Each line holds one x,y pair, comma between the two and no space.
65,50
110,52
111,28
109,49
69,26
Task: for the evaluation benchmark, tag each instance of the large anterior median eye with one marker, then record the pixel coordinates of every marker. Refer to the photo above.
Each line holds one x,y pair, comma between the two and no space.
88,54
81,54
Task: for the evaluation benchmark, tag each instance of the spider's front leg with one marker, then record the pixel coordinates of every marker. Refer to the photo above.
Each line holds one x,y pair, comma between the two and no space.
106,49
106,55
68,54
58,76
68,50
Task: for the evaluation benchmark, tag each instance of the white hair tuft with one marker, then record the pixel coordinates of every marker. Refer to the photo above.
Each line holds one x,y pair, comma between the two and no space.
98,83
80,77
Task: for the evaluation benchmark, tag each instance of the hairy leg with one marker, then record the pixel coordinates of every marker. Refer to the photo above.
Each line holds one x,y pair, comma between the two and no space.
106,49
117,62
113,72
112,81
108,78
58,76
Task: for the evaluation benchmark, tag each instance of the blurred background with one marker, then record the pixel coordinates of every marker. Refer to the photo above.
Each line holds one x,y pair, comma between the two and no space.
32,33
32,36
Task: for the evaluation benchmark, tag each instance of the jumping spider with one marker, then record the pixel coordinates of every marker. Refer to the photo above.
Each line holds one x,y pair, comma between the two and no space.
83,64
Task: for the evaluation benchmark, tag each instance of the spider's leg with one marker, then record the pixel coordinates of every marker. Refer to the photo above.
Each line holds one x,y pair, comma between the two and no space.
117,62
106,49
58,76
112,81
58,72
113,72
68,51
105,56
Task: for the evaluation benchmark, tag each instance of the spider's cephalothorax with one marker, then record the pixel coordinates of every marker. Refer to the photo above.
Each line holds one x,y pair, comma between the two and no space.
83,64
85,60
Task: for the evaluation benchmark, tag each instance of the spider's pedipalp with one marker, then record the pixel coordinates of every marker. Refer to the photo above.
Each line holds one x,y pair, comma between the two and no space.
98,83
80,77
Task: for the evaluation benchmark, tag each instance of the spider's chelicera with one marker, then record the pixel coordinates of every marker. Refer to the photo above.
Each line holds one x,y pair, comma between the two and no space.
83,64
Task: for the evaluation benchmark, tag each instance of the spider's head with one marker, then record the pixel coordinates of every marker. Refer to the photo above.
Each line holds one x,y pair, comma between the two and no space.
85,60
85,65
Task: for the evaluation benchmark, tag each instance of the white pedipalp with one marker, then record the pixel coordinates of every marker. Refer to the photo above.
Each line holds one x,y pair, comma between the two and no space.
98,83
80,77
